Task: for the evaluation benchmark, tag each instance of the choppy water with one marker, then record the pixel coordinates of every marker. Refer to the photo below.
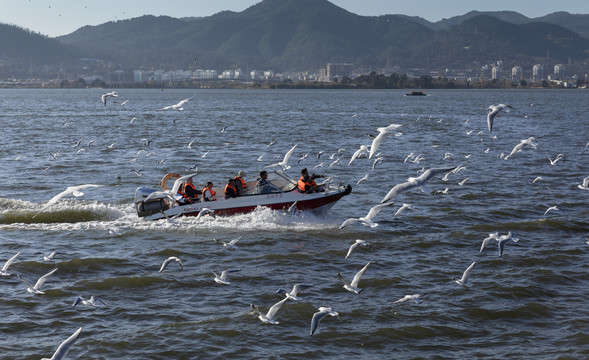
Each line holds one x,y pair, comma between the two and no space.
529,303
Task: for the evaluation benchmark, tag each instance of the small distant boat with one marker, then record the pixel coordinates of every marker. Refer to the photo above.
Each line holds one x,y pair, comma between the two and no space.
416,93
152,204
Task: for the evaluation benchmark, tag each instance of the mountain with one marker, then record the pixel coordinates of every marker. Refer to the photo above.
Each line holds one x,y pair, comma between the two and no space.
578,23
24,52
288,35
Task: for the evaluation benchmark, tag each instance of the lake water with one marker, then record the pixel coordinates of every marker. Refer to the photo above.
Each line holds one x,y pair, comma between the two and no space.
529,303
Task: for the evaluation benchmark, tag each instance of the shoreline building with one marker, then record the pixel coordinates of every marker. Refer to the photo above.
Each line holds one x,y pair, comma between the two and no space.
559,72
517,73
537,72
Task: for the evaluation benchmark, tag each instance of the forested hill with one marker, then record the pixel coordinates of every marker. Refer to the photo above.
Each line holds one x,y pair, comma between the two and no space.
291,35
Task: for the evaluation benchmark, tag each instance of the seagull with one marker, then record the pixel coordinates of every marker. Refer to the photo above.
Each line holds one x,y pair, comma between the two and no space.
493,111
409,157
531,141
366,220
503,239
403,208
362,151
363,178
205,211
537,178
55,154
65,346
292,208
284,162
415,298
123,103
231,244
271,143
558,157
294,292
177,106
585,184
170,259
353,286
50,256
554,208
415,182
487,240
93,301
224,129
4,270
222,279
462,181
319,315
357,243
269,317
377,161
319,154
74,190
382,132
465,275
35,289
110,94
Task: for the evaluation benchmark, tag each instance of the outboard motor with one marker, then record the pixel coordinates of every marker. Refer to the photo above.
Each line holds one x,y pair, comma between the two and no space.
151,207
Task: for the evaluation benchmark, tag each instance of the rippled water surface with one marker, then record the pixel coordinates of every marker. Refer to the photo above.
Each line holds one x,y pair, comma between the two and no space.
529,303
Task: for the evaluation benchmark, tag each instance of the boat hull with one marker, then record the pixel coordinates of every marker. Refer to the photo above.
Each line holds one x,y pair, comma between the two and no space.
166,207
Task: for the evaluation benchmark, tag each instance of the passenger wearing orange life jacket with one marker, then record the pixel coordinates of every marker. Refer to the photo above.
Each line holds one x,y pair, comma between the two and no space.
231,190
306,183
240,183
208,194
190,191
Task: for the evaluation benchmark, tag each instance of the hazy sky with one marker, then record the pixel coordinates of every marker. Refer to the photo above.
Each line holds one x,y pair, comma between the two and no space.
61,17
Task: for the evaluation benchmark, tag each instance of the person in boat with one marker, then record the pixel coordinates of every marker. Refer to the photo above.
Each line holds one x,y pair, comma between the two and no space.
264,186
240,183
231,190
306,183
190,191
208,194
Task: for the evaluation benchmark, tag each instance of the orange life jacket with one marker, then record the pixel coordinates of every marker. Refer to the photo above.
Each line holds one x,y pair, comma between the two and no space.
209,190
227,187
193,188
241,181
303,183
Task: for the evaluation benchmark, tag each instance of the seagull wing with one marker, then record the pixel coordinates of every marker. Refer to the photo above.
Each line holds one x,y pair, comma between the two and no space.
26,282
349,222
317,317
9,262
343,280
430,173
225,272
352,247
466,273
65,346
376,143
288,155
397,189
376,209
272,311
358,276
96,298
491,116
42,279
298,287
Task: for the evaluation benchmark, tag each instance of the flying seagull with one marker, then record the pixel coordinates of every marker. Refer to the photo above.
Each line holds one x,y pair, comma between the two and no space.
493,111
416,298
4,270
294,292
358,242
107,95
415,182
177,106
268,318
319,315
35,289
169,260
367,220
222,279
382,132
466,275
353,286
74,190
65,346
93,301
284,162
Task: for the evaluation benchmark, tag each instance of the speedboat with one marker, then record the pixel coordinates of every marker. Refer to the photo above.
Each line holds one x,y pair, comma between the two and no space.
281,194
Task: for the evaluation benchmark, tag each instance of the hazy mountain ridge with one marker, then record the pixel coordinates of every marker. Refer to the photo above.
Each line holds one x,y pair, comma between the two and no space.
306,34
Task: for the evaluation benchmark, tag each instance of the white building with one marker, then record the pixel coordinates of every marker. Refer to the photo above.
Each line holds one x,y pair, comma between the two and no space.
538,72
559,72
517,73
496,72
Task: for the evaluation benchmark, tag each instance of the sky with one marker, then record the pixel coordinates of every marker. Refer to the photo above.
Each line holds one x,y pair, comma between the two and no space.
62,17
